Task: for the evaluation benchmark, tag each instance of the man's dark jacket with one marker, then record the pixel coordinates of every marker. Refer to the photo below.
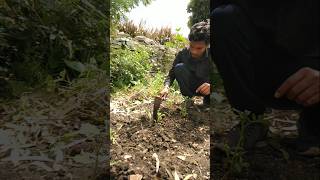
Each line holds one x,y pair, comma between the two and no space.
199,67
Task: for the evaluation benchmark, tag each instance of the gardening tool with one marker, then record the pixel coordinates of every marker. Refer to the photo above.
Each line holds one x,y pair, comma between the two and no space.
156,106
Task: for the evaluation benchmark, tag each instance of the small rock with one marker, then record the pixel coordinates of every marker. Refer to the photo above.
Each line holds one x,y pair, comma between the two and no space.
145,40
122,34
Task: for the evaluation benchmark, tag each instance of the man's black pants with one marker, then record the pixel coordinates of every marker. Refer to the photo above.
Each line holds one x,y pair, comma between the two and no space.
188,82
253,67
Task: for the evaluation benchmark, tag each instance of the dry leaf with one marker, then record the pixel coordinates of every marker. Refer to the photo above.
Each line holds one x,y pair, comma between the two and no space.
285,120
183,158
290,128
84,158
190,176
127,156
57,167
176,176
58,155
89,130
135,177
313,151
157,161
15,157
42,165
169,173
74,143
273,130
6,137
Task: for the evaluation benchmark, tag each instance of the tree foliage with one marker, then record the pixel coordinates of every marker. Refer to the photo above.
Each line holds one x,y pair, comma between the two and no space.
200,10
120,7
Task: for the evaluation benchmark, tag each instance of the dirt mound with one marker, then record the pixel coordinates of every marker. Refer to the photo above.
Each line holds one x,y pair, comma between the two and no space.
180,142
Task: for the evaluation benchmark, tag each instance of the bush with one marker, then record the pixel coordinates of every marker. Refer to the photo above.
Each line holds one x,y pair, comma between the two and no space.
177,41
128,67
42,39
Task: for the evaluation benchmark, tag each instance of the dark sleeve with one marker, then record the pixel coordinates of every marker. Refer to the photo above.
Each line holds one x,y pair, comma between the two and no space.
171,77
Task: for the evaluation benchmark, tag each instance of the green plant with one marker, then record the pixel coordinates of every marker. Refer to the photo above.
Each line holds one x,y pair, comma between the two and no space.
40,39
160,116
235,160
184,112
170,103
185,106
155,84
177,41
128,67
112,136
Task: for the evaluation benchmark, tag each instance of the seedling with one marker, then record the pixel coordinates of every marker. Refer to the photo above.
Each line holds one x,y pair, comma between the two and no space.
160,116
235,161
112,136
185,106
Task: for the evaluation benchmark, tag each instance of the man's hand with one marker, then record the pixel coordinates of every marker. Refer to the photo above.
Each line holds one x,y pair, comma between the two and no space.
164,93
204,89
302,87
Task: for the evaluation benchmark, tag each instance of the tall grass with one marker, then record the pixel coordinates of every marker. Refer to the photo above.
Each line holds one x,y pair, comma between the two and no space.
160,35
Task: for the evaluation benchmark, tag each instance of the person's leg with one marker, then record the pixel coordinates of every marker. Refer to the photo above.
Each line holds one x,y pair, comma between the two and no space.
251,67
206,100
185,79
309,123
233,43
188,82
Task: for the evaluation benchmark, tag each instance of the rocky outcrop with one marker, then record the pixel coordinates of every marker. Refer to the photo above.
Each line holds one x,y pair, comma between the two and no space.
145,40
161,56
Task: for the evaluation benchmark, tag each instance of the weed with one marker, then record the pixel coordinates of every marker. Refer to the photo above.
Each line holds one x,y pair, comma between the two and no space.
112,136
160,116
187,103
235,160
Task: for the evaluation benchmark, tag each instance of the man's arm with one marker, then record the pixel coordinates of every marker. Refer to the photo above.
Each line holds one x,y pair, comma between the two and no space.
171,77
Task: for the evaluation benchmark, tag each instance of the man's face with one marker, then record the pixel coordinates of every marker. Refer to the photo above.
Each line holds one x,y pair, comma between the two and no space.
197,48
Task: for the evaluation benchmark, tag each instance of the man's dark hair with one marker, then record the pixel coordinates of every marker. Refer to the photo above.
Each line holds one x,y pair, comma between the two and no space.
200,32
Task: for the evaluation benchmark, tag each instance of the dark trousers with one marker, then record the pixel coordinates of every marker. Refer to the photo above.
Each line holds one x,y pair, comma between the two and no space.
188,81
252,66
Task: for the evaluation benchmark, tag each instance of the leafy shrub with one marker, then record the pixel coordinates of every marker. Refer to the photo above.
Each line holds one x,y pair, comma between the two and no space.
177,41
39,38
128,67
